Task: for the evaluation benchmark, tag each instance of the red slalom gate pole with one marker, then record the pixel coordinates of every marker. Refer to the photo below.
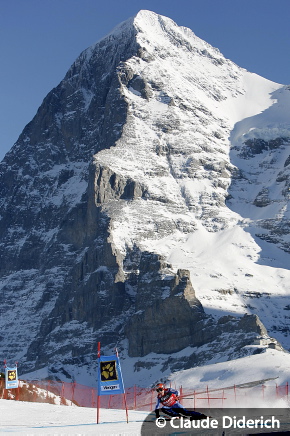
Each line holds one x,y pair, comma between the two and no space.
5,391
126,407
98,409
124,395
98,396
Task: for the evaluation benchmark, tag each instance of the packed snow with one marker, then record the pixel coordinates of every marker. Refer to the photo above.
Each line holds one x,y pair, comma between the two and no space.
21,418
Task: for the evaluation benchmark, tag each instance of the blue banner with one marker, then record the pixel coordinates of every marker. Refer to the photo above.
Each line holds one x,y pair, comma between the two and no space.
11,378
110,380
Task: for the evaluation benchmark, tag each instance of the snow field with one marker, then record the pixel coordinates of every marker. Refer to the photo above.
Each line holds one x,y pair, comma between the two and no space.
21,418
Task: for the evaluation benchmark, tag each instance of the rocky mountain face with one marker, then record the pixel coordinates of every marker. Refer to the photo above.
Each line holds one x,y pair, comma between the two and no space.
146,205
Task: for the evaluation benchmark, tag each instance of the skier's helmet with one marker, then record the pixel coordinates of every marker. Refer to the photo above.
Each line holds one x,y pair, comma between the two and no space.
160,387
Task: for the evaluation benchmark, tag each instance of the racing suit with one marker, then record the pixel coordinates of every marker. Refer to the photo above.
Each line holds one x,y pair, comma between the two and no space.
168,400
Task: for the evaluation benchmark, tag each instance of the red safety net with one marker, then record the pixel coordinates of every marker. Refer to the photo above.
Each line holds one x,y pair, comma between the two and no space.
138,398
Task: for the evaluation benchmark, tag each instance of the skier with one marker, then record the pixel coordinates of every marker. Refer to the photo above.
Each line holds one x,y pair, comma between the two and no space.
168,399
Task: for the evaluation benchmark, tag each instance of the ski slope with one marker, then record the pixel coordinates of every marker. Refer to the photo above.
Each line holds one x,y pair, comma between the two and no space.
268,368
22,418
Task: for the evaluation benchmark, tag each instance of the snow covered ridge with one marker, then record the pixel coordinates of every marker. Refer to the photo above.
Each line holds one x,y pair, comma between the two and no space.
153,180
29,392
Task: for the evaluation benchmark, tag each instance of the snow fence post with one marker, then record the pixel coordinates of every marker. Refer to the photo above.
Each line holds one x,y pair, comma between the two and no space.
62,392
180,391
207,391
73,390
135,398
92,400
47,385
34,393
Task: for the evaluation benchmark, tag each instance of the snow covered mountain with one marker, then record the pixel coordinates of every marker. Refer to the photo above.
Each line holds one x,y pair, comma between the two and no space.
146,206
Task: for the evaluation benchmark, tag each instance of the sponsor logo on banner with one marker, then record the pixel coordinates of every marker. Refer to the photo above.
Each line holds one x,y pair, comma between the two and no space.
109,371
110,388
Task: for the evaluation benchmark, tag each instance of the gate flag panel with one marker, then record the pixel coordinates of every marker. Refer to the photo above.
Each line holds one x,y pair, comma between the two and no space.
110,379
11,378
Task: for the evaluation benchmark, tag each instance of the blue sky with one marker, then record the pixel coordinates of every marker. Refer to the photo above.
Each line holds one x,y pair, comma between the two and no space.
40,39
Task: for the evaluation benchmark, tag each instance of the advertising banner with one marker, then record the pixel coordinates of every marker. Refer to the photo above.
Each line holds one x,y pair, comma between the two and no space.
110,380
11,378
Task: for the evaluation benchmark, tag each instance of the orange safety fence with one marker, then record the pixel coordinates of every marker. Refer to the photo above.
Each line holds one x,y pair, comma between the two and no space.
138,398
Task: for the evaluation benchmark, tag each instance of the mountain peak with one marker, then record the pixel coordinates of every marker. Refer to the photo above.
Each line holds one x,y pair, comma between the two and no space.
161,30
125,176
155,29
151,19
